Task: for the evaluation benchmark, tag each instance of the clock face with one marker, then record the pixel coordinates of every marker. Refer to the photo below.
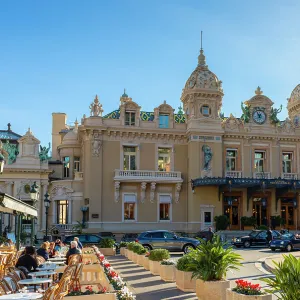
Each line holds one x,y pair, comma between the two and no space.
259,117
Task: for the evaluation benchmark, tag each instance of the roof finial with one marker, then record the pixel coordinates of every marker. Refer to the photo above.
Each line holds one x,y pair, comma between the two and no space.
8,127
258,91
124,94
201,57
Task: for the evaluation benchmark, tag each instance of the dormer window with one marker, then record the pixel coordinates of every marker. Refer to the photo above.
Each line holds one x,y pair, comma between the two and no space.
205,111
163,121
129,118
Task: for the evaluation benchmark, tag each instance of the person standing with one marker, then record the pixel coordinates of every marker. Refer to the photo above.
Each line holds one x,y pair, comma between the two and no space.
269,235
76,239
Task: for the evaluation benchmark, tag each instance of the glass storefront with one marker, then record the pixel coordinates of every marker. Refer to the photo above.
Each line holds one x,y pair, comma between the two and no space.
232,212
260,211
288,212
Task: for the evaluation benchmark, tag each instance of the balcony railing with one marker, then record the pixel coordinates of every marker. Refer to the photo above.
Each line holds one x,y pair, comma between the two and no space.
289,175
262,175
233,174
78,175
142,175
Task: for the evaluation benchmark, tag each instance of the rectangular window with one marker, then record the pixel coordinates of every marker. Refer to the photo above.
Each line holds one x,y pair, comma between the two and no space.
164,159
231,160
287,158
129,118
163,121
259,157
66,162
205,110
129,207
129,158
62,212
165,203
76,164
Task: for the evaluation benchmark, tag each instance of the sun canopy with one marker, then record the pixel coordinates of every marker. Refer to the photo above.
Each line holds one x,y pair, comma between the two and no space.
9,204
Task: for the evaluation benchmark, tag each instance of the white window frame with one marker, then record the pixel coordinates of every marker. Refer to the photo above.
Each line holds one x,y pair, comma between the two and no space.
291,160
78,164
171,147
130,112
68,168
205,106
54,210
231,157
164,202
263,159
137,158
135,210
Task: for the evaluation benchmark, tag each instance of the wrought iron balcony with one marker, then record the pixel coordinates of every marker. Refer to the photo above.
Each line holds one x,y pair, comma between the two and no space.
147,176
262,175
233,174
289,175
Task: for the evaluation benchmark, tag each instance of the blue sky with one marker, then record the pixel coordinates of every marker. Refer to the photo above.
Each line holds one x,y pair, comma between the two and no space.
56,55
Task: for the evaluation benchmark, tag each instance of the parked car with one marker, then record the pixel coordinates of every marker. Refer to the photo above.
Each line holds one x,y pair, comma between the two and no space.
287,242
129,237
164,239
203,234
85,239
107,235
255,238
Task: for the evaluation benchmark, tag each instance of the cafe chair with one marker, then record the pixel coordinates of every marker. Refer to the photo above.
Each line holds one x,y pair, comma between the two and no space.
40,260
50,292
63,288
4,289
74,259
75,278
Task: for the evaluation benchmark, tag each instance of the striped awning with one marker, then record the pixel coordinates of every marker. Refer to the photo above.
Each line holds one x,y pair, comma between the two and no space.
11,205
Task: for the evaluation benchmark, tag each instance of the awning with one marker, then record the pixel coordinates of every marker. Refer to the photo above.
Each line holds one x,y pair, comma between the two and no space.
9,204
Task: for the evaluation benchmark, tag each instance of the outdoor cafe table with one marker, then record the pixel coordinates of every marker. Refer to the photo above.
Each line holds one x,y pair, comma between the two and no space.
24,296
35,281
42,273
55,259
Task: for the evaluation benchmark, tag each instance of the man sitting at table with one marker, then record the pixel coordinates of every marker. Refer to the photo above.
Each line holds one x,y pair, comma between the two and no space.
27,260
79,245
43,251
73,250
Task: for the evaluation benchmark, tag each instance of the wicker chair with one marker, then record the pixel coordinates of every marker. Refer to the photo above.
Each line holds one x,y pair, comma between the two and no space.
11,289
74,259
50,292
63,288
40,259
22,274
15,278
75,279
7,262
4,289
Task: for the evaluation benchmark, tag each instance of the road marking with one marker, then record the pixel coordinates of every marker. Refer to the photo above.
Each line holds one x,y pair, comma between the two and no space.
259,265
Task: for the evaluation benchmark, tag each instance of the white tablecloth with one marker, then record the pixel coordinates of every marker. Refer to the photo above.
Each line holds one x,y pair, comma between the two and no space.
25,296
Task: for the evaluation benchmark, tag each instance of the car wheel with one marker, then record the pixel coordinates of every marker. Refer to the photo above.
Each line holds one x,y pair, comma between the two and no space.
188,248
289,248
273,249
147,247
247,244
238,246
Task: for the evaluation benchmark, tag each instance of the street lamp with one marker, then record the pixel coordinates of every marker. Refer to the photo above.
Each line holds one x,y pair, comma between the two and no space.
264,202
34,193
1,163
83,209
47,205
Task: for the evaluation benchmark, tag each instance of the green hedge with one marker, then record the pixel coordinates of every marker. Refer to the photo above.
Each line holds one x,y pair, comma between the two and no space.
107,243
123,244
137,247
159,254
185,263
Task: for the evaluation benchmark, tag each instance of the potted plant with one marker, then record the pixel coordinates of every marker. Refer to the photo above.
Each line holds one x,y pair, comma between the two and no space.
183,273
129,250
146,261
155,257
107,247
123,246
167,270
287,279
222,222
248,223
140,256
135,249
90,294
211,262
245,290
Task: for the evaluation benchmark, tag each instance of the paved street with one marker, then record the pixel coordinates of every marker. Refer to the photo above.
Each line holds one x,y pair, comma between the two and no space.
148,287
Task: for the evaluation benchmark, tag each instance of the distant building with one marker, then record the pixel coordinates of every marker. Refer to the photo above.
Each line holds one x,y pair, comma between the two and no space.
132,170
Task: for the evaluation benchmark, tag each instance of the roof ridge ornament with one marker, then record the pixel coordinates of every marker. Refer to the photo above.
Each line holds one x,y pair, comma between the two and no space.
201,57
96,108
258,91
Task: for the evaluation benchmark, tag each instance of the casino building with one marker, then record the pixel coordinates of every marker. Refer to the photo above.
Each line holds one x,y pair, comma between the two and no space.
131,170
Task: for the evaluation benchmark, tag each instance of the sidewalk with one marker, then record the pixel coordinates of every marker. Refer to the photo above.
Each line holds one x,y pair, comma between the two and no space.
145,285
269,261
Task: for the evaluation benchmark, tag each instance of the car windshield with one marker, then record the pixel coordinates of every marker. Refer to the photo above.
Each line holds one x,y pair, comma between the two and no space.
287,236
253,233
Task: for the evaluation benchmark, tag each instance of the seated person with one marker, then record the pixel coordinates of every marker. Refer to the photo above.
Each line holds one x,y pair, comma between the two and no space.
76,239
28,260
43,251
73,250
52,251
58,245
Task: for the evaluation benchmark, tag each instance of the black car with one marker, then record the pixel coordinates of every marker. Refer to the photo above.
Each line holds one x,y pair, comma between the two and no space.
129,237
85,239
287,242
107,235
255,238
204,234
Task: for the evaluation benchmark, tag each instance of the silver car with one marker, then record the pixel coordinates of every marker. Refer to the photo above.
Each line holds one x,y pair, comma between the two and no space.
164,239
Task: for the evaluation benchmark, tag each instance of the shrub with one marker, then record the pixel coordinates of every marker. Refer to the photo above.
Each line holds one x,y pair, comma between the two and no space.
141,251
222,222
123,244
185,263
277,221
159,254
262,227
287,279
248,221
130,245
168,262
212,260
107,243
137,247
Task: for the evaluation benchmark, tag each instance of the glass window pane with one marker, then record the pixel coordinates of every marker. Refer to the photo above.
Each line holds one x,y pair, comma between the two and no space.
163,121
157,235
164,211
129,209
132,162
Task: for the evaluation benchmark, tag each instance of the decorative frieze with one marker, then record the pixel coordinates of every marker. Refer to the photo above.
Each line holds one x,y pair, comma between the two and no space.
96,144
143,191
117,191
177,192
152,191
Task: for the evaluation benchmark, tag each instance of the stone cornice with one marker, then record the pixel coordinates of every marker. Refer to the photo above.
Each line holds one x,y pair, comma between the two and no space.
41,171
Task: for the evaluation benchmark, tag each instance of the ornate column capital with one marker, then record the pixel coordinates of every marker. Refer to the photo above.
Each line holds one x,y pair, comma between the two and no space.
177,191
117,191
152,191
143,191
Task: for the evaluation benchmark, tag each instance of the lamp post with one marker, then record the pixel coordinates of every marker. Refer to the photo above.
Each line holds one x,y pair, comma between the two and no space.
34,196
47,205
1,162
83,209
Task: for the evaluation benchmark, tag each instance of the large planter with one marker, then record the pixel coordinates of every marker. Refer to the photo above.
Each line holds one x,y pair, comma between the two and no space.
108,251
212,290
167,272
134,257
146,262
122,251
231,295
140,259
129,254
125,252
184,281
154,267
94,297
